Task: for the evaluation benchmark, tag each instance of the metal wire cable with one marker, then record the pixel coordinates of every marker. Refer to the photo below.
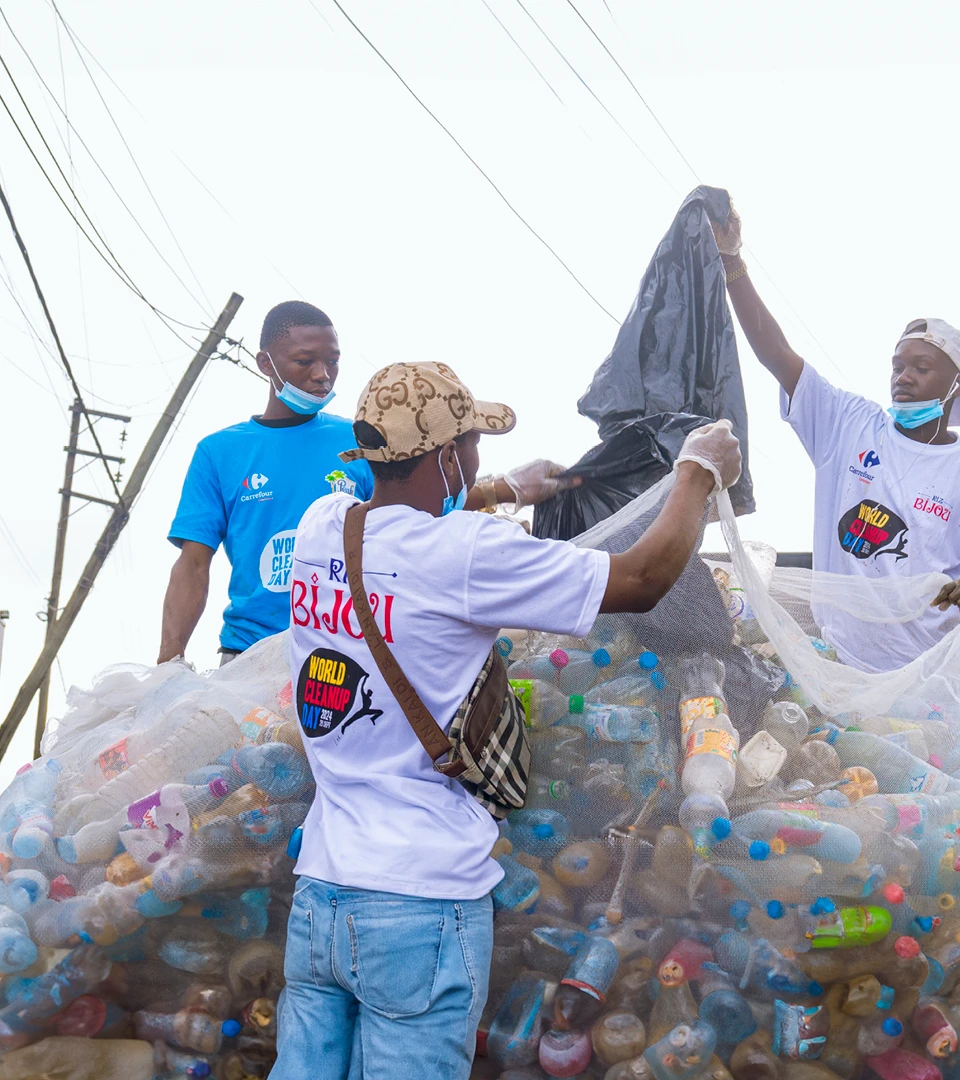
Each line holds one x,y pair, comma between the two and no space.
556,48
486,176
56,337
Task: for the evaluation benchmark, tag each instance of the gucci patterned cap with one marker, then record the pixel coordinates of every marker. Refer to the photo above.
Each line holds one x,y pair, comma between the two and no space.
409,409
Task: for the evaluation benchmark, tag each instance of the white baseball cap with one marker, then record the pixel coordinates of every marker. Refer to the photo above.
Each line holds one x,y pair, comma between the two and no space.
947,339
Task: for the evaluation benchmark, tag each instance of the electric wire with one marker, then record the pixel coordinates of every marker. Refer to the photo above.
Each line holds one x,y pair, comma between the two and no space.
19,553
102,171
646,157
486,176
76,43
56,337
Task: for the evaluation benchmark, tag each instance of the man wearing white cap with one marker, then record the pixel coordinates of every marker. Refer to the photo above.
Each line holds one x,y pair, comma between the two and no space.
887,480
390,934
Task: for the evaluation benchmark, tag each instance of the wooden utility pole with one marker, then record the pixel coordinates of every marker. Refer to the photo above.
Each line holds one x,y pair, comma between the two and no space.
57,632
66,492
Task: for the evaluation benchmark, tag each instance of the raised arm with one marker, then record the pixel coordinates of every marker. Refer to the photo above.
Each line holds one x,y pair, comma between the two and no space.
185,599
645,573
761,329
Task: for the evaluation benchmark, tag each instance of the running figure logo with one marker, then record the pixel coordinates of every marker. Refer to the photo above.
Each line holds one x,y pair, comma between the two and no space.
333,692
869,530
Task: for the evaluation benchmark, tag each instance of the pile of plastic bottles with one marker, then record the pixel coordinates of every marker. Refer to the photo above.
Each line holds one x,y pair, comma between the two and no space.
145,887
693,891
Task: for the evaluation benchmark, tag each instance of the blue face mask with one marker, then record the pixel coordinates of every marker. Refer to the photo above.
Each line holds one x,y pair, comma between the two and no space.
450,503
299,401
914,414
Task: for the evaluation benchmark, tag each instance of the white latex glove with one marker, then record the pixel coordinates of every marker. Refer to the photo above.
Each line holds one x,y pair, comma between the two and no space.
538,481
728,237
715,448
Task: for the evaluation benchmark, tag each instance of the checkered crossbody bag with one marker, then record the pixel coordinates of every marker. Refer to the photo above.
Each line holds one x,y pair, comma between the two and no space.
486,748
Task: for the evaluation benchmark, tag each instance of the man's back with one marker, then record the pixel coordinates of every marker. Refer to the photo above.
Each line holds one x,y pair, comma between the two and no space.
440,589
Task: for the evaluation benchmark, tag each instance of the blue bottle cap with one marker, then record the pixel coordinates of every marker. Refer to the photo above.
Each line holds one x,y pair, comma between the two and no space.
759,850
925,923
775,909
739,910
815,989
885,1000
648,660
823,905
230,1028
601,658
199,1069
504,646
721,827
658,679
543,830
892,1026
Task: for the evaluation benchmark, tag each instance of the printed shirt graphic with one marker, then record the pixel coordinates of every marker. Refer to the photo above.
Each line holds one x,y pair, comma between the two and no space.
884,506
247,488
440,589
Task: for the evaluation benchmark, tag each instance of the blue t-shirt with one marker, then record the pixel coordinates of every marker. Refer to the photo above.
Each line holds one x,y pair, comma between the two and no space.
247,488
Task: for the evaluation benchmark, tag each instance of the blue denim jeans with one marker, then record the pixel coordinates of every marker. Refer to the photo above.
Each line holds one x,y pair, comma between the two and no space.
381,986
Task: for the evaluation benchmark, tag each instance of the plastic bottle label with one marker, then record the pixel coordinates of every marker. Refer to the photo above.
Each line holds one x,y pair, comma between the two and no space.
255,723
523,688
713,741
599,722
695,708
114,760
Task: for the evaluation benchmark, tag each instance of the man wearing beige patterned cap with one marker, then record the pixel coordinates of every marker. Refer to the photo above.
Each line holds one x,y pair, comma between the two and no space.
390,932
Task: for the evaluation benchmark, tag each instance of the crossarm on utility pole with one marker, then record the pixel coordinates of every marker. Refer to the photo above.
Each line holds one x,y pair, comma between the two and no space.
118,519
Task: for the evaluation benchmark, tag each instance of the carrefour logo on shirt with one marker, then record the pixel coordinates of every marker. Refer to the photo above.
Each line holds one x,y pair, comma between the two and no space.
255,483
868,459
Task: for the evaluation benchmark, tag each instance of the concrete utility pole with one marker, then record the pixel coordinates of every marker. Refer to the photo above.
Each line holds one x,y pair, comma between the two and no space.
66,492
118,519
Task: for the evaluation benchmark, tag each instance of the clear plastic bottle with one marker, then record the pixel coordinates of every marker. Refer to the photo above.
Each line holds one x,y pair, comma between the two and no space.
787,723
682,1053
32,1001
275,768
896,769
706,817
544,793
701,691
582,670
190,1029
541,833
17,950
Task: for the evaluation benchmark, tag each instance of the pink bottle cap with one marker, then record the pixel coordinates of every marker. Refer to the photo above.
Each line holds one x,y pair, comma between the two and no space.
559,658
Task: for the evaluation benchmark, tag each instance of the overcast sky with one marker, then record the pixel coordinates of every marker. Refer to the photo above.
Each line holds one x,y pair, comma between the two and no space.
284,160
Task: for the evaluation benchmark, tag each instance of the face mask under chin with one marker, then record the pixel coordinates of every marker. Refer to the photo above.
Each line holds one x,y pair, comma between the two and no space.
299,401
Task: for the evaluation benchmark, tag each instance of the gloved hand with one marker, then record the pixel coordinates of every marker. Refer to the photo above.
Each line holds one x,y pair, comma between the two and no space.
538,481
728,237
716,449
949,594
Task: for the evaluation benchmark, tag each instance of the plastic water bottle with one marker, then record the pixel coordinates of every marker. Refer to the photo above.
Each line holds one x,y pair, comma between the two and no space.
190,1029
711,749
582,670
548,706
514,1037
701,691
546,794
519,887
705,816
275,768
787,723
17,950
208,734
896,769
637,689
32,1001
819,839
681,1054
619,723
542,833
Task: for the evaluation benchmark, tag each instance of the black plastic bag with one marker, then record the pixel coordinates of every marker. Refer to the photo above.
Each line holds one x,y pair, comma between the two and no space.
674,362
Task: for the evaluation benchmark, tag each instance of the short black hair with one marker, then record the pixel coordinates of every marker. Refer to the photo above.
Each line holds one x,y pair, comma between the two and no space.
284,317
370,438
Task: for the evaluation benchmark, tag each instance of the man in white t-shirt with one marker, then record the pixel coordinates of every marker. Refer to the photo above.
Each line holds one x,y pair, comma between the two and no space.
390,932
887,480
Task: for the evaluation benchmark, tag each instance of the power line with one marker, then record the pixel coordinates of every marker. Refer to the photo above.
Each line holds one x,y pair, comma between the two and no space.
56,337
633,85
475,164
100,169
76,43
556,48
18,552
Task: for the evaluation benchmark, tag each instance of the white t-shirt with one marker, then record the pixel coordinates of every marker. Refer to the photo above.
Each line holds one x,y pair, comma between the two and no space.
440,589
885,507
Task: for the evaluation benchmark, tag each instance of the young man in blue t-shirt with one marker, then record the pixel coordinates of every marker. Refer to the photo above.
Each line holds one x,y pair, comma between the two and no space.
248,486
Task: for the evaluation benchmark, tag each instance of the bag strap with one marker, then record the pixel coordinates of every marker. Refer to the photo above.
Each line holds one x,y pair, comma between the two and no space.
427,730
